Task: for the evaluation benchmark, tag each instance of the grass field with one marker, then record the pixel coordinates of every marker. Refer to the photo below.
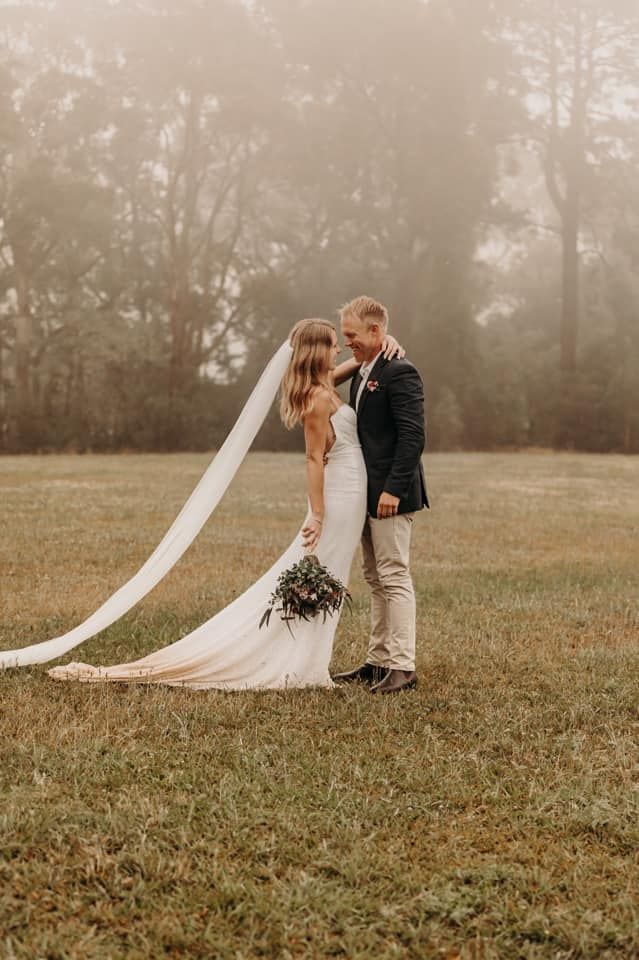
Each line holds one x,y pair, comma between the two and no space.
492,813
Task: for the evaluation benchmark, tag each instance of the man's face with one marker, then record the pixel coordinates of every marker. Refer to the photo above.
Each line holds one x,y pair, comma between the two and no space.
362,339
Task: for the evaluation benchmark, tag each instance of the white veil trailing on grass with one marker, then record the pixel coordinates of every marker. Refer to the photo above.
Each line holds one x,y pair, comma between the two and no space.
184,529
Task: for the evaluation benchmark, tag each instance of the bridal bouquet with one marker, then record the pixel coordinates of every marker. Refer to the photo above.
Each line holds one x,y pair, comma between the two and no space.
305,590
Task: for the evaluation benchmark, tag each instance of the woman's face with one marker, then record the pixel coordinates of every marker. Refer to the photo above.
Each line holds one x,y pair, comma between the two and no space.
334,351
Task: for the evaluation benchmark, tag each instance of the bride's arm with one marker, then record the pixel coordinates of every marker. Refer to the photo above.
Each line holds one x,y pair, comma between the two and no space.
315,435
345,371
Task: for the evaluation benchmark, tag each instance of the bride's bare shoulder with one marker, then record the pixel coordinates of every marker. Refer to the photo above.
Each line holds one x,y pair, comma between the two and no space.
320,406
320,395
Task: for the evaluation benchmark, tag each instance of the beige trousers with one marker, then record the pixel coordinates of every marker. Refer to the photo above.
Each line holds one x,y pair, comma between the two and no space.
386,552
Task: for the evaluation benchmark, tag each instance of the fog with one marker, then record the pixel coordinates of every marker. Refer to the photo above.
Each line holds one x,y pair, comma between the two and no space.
181,182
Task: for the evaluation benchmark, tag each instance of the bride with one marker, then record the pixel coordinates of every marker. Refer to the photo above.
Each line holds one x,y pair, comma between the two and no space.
230,651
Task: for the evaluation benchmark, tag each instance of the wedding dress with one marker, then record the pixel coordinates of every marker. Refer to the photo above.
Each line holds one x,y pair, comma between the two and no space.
230,651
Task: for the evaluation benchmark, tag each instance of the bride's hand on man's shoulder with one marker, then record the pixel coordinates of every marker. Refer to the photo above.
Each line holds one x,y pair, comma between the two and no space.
391,348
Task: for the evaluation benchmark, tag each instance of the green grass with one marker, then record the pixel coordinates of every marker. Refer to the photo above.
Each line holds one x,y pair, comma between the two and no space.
493,813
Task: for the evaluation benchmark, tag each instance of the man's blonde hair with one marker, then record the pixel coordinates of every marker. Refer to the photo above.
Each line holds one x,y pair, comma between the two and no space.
368,310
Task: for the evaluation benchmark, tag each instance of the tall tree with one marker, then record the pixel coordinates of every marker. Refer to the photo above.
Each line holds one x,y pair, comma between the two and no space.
54,212
579,58
400,109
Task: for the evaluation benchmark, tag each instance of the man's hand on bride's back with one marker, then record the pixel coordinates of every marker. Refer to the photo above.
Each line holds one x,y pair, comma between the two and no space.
391,348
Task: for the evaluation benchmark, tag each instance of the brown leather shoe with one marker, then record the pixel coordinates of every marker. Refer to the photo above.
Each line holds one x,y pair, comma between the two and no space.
368,673
395,681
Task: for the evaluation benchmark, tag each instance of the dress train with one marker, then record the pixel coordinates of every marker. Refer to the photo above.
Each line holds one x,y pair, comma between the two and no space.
230,651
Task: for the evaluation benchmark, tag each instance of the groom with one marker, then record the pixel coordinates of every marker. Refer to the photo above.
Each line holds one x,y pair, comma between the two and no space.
388,397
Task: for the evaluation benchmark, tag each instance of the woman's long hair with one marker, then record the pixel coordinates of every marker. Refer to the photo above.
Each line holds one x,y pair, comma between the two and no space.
309,367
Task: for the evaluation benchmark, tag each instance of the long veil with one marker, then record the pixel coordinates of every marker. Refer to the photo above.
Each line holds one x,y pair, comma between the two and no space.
182,532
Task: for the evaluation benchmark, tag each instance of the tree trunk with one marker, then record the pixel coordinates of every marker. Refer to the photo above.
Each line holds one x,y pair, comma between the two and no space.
569,323
181,370
23,419
3,401
569,152
569,319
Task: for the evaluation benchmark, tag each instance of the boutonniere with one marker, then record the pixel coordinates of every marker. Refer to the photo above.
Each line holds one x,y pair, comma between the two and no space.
373,386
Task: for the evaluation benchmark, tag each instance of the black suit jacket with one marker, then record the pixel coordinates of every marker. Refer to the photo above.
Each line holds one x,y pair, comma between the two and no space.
392,432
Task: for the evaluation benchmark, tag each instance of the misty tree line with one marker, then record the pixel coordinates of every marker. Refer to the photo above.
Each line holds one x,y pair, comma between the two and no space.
181,182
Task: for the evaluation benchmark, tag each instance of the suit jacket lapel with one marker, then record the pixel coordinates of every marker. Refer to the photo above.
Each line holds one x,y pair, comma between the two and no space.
374,375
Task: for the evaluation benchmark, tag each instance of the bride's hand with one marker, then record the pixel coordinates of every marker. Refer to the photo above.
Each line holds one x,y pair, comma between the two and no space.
311,533
391,348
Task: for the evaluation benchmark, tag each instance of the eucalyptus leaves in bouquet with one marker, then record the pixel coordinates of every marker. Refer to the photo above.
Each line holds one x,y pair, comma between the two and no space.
305,590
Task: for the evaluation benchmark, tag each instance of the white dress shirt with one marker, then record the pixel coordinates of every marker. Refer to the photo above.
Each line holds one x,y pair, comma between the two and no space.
365,372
